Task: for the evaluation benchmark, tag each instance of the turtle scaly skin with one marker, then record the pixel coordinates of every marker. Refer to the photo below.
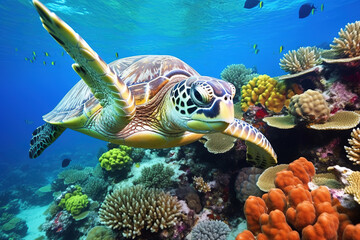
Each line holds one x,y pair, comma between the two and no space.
142,101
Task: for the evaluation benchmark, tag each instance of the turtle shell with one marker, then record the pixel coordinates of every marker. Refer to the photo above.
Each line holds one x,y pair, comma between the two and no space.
144,75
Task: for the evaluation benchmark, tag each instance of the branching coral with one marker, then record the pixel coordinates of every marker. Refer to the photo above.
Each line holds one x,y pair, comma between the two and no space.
210,230
133,209
238,75
302,59
348,43
156,176
201,185
353,152
354,186
267,91
309,107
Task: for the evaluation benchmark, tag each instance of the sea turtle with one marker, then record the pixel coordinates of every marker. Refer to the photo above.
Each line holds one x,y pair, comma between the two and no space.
145,101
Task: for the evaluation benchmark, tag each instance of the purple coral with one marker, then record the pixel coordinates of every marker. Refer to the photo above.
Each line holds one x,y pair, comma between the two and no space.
339,97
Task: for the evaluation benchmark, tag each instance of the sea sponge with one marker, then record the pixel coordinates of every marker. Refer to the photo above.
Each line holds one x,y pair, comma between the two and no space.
354,186
267,91
300,60
156,176
210,230
309,107
353,152
238,75
348,43
116,158
136,208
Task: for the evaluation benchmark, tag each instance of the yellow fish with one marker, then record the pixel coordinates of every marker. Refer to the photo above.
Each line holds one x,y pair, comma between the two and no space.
53,63
44,62
26,59
117,55
313,11
137,165
34,54
255,46
322,7
46,54
261,4
281,49
257,51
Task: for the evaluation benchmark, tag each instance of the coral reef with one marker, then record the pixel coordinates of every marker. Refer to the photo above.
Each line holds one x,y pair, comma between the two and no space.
292,210
238,75
75,175
353,152
116,158
75,202
266,91
309,107
156,176
300,60
265,181
95,188
348,43
100,233
354,186
219,142
134,209
210,230
339,97
245,183
201,185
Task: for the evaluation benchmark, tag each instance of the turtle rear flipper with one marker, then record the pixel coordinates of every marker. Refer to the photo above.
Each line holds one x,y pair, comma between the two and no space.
259,149
118,105
43,137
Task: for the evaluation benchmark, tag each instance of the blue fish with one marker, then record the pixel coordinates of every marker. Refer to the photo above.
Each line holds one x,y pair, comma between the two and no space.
251,3
306,9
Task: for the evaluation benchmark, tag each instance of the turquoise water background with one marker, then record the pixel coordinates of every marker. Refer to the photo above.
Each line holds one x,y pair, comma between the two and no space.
208,35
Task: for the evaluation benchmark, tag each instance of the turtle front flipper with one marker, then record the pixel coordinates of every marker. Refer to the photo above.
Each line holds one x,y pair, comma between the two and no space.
259,149
118,105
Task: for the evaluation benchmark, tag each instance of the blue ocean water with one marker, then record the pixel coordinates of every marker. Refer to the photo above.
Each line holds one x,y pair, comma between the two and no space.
208,35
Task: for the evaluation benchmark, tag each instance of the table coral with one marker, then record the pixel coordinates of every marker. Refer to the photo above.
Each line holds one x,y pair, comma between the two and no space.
266,91
300,60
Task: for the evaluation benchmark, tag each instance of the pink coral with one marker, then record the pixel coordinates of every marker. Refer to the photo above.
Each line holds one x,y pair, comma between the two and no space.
338,96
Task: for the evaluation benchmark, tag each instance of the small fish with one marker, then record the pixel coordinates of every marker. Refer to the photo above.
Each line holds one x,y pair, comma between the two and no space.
257,51
117,55
251,3
46,54
261,4
16,49
281,49
65,162
305,10
29,122
62,53
26,59
34,58
53,63
255,46
313,11
34,54
137,165
44,62
31,61
322,7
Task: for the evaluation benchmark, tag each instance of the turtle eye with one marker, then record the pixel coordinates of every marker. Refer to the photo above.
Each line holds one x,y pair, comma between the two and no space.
201,95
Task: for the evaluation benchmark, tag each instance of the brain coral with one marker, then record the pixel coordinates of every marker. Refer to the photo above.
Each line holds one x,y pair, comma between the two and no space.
309,107
267,91
116,158
210,230
302,59
133,209
348,43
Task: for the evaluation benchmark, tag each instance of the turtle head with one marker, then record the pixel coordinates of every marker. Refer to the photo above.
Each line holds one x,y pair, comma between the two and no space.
203,104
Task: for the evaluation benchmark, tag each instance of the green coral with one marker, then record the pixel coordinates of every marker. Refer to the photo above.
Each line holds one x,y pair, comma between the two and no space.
74,202
238,75
156,176
116,158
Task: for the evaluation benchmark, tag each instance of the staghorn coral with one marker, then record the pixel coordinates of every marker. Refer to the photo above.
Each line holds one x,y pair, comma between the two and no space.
309,107
116,158
238,75
210,230
348,43
353,152
354,186
266,91
156,176
201,185
133,209
302,59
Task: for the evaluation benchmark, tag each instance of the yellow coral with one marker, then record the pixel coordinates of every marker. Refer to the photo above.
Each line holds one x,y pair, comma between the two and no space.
348,43
116,158
353,152
354,186
266,91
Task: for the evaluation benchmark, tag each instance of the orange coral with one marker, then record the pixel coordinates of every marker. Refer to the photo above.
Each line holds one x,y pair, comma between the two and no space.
297,195
302,215
253,208
275,199
325,228
245,235
351,232
302,169
285,180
